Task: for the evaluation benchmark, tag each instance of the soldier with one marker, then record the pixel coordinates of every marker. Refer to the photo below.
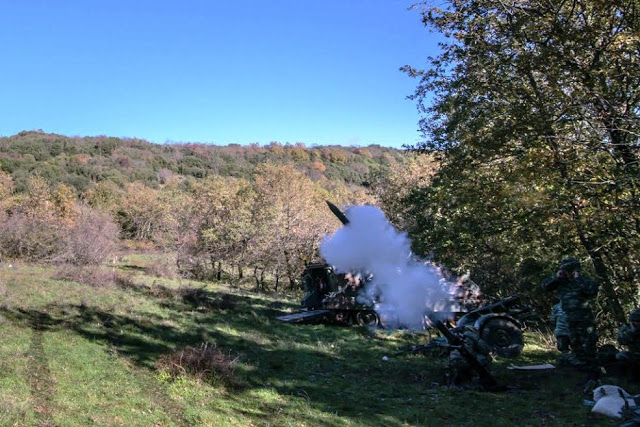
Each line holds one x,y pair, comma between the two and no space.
629,336
462,371
561,328
575,293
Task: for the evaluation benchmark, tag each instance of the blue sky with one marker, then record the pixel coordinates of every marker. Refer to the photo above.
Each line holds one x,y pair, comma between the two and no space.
236,71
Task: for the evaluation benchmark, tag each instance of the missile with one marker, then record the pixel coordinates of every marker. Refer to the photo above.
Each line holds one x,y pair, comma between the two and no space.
337,212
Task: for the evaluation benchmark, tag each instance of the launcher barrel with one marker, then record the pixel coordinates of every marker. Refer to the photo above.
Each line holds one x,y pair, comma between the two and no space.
487,382
337,212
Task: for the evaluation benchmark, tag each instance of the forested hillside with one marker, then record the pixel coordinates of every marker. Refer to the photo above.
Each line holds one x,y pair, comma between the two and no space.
214,211
80,162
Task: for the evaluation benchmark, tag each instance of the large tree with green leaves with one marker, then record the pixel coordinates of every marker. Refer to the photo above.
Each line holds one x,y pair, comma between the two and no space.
535,112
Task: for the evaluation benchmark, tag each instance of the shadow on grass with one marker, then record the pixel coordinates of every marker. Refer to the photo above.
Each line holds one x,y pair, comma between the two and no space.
131,267
186,298
287,358
333,370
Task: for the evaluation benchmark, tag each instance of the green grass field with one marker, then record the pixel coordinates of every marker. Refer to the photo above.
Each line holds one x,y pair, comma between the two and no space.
76,355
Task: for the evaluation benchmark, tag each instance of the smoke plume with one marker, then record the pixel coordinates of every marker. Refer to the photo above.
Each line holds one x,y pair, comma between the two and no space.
401,286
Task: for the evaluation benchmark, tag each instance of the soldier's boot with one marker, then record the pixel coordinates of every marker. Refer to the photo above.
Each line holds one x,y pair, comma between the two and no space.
562,343
462,377
566,359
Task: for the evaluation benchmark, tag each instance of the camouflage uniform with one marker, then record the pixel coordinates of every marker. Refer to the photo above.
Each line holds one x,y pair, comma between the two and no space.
475,345
575,293
630,337
561,331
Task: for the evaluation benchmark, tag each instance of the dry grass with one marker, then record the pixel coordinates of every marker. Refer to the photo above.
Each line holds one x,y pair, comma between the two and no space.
94,276
164,266
205,363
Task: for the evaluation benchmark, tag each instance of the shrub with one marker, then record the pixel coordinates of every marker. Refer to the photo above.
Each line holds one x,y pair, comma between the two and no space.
204,363
94,276
163,266
91,238
30,238
86,240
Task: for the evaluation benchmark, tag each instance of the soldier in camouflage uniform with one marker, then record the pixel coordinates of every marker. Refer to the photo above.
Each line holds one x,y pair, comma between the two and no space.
629,336
461,370
561,331
575,293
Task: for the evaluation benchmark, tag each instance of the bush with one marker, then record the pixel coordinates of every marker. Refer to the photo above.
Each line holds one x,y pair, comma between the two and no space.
204,363
87,240
91,239
164,266
94,276
31,239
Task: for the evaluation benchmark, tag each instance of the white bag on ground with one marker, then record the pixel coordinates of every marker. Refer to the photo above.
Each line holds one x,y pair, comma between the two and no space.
610,400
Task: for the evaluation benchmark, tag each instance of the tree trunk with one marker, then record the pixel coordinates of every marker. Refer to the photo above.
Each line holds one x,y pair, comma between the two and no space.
289,269
255,276
262,284
219,271
612,300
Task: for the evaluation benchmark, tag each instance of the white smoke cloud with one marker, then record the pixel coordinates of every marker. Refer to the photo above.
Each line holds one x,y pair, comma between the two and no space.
403,287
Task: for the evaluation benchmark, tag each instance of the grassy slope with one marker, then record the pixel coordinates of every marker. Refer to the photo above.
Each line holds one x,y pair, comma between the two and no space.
74,355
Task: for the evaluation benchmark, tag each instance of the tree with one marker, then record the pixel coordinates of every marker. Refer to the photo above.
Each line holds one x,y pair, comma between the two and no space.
105,196
33,229
221,215
393,186
147,214
6,185
64,202
535,114
290,216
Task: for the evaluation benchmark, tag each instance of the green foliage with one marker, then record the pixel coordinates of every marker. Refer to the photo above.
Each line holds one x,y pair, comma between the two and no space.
80,162
536,117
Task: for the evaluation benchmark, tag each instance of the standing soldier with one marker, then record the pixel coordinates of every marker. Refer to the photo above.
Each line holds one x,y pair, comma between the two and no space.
561,328
575,293
629,336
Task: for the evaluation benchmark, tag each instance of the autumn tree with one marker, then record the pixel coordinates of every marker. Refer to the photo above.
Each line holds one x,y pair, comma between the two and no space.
64,202
147,214
535,113
6,185
393,187
291,216
221,219
105,196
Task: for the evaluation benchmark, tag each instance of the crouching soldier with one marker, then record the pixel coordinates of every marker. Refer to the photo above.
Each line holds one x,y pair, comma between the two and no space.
461,370
629,336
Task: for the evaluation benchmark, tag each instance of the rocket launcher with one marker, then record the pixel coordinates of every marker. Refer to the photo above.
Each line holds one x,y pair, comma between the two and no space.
487,382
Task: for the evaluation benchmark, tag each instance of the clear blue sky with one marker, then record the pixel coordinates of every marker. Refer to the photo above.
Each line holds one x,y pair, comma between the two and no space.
235,71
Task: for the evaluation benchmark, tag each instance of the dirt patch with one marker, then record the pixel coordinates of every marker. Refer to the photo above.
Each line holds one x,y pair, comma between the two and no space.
42,385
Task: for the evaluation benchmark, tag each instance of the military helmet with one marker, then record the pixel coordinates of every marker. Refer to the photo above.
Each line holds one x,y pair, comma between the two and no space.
570,265
634,316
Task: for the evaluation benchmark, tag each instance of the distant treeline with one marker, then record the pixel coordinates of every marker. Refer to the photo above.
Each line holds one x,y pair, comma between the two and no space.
80,162
233,212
